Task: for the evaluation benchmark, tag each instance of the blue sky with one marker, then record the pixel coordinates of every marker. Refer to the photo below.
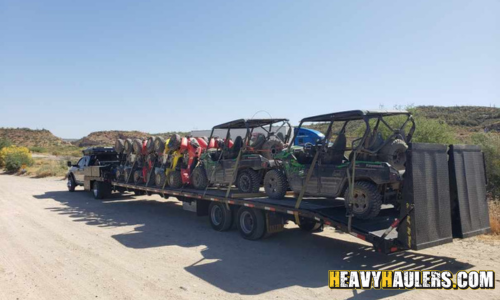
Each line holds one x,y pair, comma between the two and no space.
79,66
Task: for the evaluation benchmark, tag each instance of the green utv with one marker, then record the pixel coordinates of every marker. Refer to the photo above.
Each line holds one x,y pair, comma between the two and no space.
244,161
366,160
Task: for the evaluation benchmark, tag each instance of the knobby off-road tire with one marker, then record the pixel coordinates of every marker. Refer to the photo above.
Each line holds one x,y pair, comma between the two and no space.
248,181
138,176
137,146
175,142
71,183
275,184
199,178
150,144
119,145
220,217
251,223
159,145
160,178
175,179
272,147
367,201
395,153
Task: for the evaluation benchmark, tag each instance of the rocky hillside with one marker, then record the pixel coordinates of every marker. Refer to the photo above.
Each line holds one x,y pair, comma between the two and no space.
108,138
472,118
31,137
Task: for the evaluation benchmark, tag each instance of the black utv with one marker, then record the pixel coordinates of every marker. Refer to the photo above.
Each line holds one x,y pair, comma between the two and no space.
364,163
244,161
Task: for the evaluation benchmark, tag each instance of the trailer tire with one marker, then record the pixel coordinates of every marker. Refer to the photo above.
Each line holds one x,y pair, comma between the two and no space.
139,193
395,154
248,181
275,184
175,179
251,223
199,178
220,217
368,201
310,226
100,189
71,183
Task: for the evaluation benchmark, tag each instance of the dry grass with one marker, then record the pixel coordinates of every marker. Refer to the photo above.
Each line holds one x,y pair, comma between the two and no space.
47,168
495,217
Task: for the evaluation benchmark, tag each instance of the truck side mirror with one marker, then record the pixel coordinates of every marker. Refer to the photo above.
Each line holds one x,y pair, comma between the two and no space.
69,164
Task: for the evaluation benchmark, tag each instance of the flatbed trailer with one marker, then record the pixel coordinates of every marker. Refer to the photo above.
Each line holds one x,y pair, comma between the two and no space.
435,206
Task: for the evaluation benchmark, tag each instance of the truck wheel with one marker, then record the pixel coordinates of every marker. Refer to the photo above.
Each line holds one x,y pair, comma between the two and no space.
100,189
199,179
71,183
251,223
175,179
310,226
367,201
248,181
160,179
119,145
275,184
395,154
219,216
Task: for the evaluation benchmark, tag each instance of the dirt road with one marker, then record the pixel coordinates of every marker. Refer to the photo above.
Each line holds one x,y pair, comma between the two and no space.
60,245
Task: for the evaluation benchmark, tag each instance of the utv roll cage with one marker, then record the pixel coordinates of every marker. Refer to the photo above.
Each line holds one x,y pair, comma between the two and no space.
249,125
346,117
366,116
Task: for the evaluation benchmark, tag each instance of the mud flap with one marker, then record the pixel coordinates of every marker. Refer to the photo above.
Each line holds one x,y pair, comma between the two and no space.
275,222
427,190
468,191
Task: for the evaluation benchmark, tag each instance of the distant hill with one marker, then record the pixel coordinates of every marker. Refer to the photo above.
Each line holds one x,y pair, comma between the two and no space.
108,138
472,118
31,137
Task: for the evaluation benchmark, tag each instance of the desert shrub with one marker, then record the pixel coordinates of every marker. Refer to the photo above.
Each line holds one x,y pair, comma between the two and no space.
46,168
490,144
38,149
4,143
13,158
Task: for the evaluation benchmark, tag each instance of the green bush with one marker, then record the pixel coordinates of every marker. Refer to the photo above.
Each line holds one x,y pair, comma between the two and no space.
490,144
38,149
15,160
4,143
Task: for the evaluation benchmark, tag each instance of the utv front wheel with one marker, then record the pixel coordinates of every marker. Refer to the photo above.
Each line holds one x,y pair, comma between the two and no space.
199,179
160,179
275,184
366,200
248,181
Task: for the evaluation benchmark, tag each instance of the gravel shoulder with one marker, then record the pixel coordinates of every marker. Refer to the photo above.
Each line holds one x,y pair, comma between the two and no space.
56,244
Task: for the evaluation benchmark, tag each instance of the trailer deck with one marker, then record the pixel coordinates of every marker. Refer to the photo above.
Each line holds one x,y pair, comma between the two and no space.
327,211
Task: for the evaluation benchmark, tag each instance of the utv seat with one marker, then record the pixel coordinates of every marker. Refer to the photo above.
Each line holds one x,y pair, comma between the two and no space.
233,152
335,153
